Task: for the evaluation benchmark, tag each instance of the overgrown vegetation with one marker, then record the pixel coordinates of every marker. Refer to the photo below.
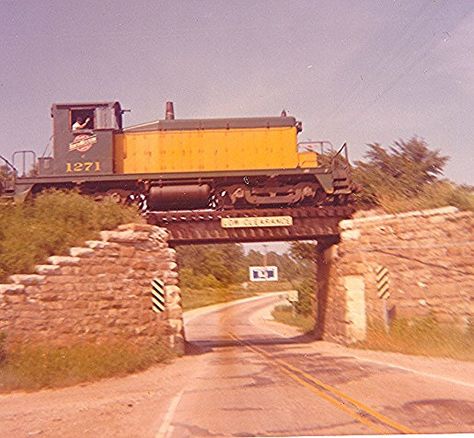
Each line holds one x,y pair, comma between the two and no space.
421,336
287,314
406,176
35,367
55,221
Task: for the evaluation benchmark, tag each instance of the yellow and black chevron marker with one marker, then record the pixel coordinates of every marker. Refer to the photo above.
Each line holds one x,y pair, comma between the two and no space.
157,295
382,276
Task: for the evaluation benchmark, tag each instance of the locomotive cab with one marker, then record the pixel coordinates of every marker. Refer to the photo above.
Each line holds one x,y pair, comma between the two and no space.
83,139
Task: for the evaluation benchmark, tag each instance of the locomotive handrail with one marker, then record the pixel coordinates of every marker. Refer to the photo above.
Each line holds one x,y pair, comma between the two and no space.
342,148
309,145
344,163
24,154
10,165
10,179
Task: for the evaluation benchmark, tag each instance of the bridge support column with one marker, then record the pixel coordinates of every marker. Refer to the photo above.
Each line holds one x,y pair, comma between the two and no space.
340,296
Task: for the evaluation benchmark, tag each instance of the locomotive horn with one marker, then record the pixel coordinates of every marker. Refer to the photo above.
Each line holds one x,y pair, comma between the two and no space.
169,114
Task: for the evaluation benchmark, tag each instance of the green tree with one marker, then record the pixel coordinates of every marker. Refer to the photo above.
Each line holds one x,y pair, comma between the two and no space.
305,255
404,170
223,263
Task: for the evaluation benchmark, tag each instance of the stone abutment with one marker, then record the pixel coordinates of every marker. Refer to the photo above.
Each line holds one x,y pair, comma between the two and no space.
429,261
99,293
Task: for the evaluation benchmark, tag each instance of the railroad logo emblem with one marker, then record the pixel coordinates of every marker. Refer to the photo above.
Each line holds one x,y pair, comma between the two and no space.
82,143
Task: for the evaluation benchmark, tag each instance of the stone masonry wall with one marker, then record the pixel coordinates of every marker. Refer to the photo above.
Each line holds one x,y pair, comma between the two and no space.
430,258
99,293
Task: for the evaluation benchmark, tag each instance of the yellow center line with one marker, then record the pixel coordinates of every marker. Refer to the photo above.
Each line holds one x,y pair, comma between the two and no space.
286,367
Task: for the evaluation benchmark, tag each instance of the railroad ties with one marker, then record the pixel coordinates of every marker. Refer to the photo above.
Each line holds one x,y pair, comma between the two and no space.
255,225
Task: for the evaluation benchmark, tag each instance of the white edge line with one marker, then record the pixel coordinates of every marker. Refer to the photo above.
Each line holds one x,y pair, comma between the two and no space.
421,373
165,426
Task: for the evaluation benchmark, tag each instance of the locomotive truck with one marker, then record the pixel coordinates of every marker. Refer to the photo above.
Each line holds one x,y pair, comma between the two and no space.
182,164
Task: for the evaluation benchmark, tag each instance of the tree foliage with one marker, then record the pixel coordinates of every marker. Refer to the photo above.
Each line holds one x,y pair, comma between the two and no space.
223,265
403,171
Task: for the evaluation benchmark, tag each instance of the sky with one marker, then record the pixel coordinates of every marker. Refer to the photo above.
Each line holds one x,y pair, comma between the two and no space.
352,71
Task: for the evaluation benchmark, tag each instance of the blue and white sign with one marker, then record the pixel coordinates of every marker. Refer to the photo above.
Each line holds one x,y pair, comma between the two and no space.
263,273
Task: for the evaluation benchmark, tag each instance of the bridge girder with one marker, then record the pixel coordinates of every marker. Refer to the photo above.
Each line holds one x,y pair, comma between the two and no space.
256,225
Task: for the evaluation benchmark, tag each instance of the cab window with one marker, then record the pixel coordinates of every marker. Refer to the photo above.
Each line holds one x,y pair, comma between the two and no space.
79,117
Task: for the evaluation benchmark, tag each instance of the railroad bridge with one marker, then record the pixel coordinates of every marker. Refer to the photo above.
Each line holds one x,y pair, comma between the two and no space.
102,292
256,225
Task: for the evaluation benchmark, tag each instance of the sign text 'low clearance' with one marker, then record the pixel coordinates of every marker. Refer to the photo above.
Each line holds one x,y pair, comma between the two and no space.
247,222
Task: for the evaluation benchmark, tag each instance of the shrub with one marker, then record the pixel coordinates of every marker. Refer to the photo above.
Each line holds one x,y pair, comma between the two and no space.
306,296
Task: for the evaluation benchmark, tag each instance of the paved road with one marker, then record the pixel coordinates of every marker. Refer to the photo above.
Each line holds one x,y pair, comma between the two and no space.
245,376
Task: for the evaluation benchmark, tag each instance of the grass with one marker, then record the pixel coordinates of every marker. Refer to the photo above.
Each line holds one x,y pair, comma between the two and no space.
421,336
55,221
36,367
286,315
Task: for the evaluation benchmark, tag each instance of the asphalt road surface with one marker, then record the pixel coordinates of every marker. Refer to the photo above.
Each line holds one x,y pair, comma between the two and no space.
247,376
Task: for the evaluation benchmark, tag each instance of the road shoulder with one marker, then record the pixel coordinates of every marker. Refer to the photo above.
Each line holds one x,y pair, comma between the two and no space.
450,370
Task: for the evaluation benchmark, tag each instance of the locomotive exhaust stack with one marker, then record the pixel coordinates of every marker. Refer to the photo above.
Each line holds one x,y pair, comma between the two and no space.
169,113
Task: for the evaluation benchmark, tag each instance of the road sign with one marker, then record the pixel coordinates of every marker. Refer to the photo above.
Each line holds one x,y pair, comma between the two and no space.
382,277
263,273
249,222
157,295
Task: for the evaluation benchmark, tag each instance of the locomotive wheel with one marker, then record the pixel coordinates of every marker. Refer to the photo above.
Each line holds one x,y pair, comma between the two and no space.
220,200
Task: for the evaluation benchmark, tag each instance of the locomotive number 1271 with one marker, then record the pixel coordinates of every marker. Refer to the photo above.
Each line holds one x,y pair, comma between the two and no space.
83,166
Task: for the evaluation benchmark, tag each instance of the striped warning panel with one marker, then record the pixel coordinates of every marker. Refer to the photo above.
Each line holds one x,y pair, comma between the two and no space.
157,295
382,277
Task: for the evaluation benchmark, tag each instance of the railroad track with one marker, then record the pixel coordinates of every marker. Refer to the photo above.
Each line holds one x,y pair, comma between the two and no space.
356,409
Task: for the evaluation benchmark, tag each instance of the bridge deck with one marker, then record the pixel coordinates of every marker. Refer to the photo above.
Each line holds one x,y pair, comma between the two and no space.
256,225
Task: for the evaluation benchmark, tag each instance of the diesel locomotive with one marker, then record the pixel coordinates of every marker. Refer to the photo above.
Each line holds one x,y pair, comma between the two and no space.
183,164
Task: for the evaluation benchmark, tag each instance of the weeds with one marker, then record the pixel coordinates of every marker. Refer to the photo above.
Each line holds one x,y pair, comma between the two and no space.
286,315
421,336
55,221
36,367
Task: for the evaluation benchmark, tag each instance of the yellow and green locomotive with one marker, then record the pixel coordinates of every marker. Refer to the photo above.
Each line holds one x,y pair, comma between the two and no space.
185,164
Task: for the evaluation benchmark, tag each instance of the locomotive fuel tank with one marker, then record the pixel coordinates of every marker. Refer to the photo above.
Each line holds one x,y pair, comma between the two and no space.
179,197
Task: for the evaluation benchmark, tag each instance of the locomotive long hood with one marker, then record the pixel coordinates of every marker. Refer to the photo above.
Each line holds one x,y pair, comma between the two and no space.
230,123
